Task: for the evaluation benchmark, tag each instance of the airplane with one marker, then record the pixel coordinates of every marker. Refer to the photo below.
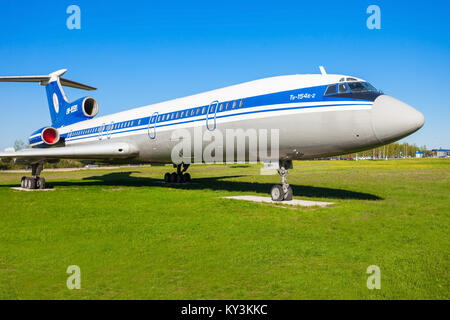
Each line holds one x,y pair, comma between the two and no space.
316,115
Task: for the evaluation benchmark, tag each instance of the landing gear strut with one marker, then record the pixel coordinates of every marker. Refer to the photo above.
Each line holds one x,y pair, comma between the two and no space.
283,191
35,181
180,176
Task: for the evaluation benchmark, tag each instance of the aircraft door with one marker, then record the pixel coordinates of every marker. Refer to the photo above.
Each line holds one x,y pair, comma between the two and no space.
152,126
111,125
211,116
100,133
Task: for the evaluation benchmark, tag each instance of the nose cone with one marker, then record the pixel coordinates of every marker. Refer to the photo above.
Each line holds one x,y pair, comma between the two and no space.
393,119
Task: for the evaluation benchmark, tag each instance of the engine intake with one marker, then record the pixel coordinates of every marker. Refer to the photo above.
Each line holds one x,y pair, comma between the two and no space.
90,107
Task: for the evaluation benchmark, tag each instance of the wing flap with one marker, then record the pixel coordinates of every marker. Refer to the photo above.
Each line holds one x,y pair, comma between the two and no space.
88,152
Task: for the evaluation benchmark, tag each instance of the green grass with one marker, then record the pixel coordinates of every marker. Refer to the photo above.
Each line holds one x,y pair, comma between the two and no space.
134,238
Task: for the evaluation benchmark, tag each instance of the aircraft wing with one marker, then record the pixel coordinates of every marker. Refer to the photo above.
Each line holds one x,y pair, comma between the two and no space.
82,152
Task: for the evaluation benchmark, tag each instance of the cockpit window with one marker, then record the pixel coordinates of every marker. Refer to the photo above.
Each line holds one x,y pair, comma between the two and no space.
343,88
357,86
331,89
369,86
349,87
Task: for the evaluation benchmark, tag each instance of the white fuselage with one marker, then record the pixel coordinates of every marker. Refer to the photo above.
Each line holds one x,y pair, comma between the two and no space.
310,123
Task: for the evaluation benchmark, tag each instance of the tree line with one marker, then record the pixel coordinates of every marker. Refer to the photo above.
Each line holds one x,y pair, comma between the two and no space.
393,150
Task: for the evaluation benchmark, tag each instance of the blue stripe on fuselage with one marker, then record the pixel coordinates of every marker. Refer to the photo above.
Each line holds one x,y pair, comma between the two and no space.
306,95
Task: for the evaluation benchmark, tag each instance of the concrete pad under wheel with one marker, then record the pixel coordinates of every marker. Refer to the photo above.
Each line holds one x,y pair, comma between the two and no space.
294,202
25,189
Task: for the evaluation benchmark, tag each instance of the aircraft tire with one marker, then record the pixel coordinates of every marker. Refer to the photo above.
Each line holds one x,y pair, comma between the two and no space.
167,177
277,193
288,195
22,182
32,183
41,183
28,183
173,177
180,178
187,177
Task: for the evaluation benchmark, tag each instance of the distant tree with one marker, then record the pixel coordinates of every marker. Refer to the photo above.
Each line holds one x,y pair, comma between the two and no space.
19,145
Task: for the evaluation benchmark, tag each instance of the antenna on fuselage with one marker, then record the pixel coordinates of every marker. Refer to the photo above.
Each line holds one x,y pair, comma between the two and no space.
322,70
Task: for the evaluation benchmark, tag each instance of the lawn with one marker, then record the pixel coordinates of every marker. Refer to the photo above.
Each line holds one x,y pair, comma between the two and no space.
135,238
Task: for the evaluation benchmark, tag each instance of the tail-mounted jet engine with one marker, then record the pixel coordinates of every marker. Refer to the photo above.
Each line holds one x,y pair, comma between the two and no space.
47,136
82,109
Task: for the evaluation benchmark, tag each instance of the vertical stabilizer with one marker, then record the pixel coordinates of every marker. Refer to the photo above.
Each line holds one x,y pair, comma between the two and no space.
57,99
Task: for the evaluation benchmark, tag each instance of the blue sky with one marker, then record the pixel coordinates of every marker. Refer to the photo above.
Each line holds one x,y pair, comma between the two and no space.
141,52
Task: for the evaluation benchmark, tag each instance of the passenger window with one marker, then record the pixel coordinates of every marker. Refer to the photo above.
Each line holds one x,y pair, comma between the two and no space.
343,88
221,107
331,89
204,110
228,106
241,103
182,114
234,104
212,109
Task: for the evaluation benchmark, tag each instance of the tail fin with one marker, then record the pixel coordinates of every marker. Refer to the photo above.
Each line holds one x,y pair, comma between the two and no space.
57,99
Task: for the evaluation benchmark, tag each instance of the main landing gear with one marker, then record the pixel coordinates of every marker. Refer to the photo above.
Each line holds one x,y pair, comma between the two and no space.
181,176
34,182
284,191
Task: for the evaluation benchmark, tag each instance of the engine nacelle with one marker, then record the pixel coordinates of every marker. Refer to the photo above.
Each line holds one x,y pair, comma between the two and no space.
46,136
82,109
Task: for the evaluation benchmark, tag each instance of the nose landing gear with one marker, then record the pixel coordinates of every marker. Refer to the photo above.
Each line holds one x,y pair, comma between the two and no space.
34,182
181,176
284,191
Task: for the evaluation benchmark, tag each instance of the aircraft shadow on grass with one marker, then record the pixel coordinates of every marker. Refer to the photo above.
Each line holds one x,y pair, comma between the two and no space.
126,179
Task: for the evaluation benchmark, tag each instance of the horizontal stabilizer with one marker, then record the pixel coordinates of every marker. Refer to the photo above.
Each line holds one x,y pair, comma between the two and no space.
82,152
46,79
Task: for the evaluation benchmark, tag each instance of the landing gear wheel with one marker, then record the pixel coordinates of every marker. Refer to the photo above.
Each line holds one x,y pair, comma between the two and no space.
187,177
167,177
180,178
40,183
32,183
22,182
173,177
277,193
289,193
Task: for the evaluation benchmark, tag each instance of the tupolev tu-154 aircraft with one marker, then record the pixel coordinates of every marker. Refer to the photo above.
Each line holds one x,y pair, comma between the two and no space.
316,115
